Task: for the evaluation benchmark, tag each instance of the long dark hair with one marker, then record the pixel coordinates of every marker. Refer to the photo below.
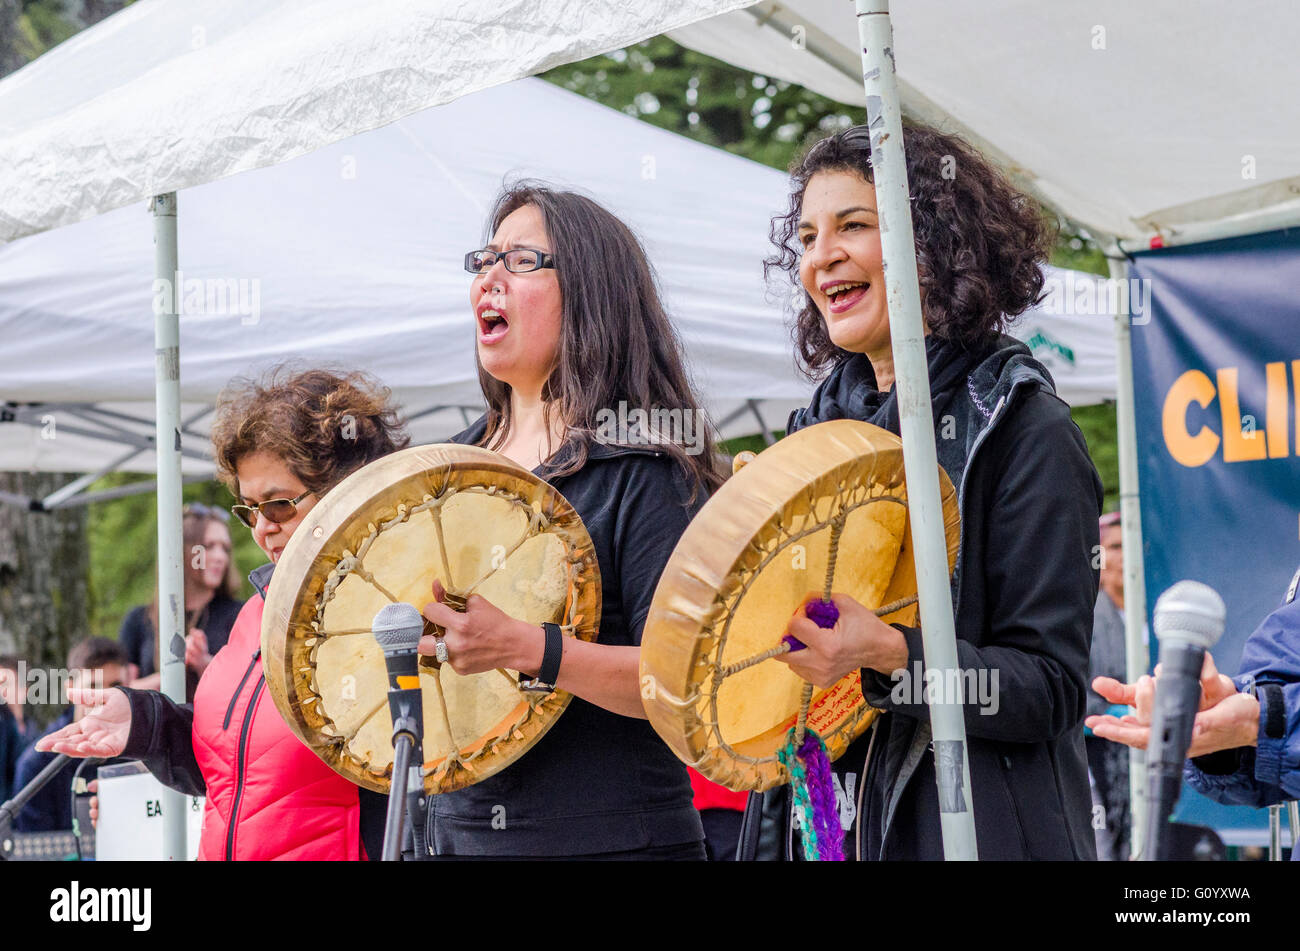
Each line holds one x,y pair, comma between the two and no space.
979,241
617,343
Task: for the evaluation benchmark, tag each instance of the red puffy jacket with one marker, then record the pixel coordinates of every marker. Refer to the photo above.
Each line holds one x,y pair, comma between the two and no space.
269,796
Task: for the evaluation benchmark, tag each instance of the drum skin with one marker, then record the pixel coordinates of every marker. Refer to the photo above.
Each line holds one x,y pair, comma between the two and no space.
505,534
757,550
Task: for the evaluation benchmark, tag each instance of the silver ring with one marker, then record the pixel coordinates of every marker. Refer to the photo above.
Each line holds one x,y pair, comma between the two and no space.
440,650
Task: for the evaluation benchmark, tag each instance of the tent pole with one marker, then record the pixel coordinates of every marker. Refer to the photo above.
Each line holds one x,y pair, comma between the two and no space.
925,507
1137,661
171,573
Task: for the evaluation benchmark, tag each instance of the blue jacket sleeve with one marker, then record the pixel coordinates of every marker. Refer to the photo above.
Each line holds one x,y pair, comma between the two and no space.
1269,772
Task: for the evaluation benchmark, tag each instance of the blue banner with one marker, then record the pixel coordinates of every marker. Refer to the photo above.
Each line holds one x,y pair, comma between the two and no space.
1216,368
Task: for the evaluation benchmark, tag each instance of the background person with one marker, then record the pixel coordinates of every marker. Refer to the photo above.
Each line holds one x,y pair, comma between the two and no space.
211,602
96,662
1108,763
17,730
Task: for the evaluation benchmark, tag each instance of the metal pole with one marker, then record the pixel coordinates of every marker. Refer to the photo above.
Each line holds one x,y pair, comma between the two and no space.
1275,832
171,573
1288,216
1136,654
903,297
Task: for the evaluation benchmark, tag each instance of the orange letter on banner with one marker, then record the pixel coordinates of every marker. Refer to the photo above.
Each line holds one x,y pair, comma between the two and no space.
1189,450
1237,446
1295,381
1275,375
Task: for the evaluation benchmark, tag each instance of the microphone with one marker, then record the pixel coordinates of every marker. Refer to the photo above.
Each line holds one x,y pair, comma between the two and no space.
397,628
1188,619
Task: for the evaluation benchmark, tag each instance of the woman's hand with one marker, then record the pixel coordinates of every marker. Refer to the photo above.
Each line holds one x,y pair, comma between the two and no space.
197,657
1227,719
482,638
93,788
103,731
858,639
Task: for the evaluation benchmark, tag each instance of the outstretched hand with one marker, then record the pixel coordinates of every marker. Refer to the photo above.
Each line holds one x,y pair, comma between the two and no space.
103,731
1227,719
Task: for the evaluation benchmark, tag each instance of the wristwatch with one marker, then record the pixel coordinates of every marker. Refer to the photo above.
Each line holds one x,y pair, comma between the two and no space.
553,653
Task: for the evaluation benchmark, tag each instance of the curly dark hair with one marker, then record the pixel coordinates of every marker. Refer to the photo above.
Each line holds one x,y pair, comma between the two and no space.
979,241
324,425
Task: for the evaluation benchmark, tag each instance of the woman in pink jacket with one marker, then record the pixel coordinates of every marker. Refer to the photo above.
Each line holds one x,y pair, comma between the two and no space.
279,446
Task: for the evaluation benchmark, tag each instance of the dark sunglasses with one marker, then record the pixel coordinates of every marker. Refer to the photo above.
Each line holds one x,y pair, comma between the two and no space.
276,510
517,260
205,511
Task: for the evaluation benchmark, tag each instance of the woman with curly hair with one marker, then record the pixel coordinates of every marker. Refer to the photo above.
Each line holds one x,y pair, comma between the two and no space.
1025,582
280,446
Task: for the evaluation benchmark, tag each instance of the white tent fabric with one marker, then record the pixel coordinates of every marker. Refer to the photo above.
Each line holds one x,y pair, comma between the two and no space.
168,94
351,256
1167,116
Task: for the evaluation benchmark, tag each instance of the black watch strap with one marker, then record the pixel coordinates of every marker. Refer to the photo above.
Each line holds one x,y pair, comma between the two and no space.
1274,704
551,657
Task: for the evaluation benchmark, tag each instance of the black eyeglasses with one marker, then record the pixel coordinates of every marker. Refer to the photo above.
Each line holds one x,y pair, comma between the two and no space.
517,260
205,511
276,510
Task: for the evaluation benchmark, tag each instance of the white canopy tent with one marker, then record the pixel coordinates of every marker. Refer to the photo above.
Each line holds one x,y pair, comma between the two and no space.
355,261
170,95
1132,119
185,94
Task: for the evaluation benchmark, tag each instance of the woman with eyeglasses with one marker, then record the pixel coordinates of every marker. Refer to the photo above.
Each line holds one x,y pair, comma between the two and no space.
569,327
279,446
211,602
1025,581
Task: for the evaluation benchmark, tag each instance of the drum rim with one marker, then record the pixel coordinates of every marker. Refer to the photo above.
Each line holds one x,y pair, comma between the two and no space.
707,560
327,522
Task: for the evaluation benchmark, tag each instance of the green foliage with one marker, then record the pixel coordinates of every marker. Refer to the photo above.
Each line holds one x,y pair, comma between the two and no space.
1099,425
706,99
42,25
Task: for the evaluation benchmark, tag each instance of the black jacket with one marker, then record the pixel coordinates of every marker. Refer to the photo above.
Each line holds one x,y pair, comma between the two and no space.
1023,595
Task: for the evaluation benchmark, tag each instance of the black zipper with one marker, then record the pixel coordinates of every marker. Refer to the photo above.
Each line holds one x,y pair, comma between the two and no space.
239,778
1015,810
230,710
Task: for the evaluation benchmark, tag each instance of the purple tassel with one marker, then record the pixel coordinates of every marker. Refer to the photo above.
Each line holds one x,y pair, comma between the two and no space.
822,613
821,790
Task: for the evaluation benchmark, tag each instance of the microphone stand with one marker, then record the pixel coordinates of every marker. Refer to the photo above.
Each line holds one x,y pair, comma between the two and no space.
9,811
406,791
